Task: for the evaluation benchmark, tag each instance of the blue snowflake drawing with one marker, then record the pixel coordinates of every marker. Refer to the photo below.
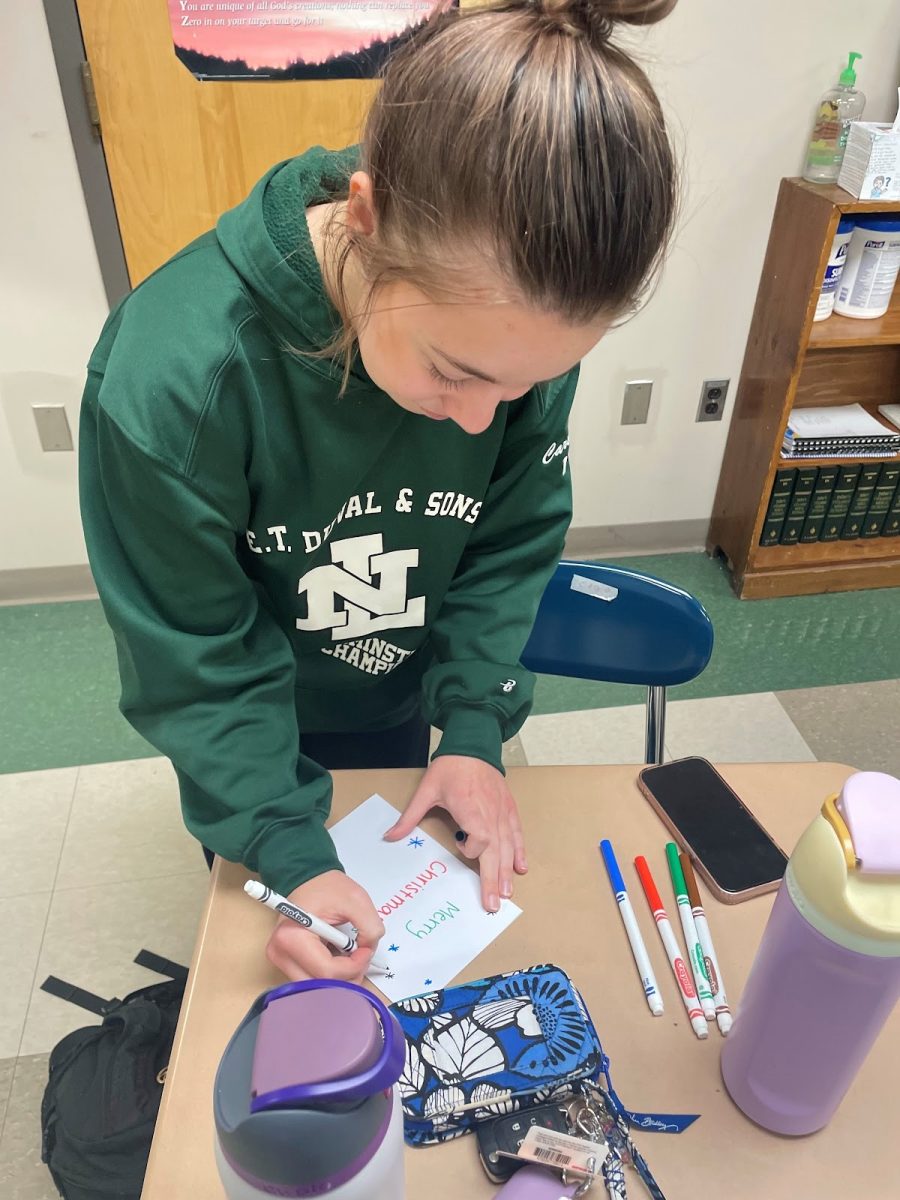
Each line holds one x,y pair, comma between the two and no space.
415,841
393,947
428,983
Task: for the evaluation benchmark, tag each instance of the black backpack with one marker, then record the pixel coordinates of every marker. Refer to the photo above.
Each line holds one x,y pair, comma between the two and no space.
102,1098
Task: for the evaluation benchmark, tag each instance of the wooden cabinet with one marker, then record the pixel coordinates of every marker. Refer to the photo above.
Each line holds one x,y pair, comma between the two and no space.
790,362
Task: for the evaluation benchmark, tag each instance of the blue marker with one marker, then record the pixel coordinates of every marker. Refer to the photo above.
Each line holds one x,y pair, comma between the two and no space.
638,949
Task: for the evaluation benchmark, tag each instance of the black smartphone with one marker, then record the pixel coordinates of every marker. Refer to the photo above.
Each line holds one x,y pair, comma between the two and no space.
732,851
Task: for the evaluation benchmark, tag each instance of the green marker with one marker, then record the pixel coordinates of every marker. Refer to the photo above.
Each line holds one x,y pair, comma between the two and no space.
695,951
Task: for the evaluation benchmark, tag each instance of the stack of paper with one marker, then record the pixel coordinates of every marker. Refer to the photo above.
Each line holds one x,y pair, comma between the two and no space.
846,431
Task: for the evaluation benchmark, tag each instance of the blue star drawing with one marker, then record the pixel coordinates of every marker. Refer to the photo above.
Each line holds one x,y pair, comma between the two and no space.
393,947
415,841
428,983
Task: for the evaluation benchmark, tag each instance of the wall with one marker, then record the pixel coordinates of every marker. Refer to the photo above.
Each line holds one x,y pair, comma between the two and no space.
739,82
51,298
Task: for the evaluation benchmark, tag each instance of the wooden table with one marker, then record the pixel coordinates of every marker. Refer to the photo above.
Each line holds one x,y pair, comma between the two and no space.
569,918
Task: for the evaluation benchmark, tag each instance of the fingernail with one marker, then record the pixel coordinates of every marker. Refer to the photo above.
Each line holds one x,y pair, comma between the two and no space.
523,867
493,903
506,889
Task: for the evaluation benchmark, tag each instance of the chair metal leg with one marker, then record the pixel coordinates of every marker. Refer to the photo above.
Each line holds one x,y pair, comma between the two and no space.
656,724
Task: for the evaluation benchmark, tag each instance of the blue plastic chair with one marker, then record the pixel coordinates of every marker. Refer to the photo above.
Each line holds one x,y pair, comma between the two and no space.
620,626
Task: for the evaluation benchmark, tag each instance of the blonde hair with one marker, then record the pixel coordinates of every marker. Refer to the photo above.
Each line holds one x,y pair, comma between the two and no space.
520,134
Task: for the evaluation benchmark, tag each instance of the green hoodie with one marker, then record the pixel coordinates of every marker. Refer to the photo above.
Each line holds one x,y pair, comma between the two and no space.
274,560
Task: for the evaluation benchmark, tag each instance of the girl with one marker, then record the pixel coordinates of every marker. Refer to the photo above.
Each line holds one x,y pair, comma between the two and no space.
323,466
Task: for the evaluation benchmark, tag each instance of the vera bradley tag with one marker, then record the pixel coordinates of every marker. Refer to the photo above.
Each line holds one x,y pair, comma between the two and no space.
652,1122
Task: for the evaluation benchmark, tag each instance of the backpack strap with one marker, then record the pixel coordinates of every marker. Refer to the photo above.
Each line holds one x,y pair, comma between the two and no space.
76,995
162,966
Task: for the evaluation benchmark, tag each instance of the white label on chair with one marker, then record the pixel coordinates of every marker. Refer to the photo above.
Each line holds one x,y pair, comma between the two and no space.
593,587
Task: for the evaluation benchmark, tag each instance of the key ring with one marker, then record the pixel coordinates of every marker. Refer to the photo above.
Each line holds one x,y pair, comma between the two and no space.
598,1110
587,1182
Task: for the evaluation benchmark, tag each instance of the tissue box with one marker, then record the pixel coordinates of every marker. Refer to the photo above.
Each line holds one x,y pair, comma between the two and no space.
870,169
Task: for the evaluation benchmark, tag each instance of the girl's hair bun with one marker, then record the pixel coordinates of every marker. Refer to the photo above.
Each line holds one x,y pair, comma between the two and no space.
598,18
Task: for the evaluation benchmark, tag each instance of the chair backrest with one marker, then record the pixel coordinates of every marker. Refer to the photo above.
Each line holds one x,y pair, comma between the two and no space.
619,626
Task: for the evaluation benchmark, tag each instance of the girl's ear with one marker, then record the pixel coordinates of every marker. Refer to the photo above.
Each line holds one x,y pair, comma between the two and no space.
360,206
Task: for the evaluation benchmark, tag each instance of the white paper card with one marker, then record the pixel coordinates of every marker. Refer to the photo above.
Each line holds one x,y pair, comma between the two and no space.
429,901
845,420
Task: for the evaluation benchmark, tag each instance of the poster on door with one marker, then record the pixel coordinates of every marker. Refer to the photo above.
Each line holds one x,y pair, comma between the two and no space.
293,39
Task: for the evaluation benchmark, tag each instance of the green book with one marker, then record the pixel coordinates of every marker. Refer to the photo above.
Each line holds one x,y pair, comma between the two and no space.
882,499
779,502
818,504
844,487
891,527
862,498
803,489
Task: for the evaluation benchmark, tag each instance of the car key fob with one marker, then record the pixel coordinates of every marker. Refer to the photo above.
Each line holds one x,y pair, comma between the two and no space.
536,1183
506,1134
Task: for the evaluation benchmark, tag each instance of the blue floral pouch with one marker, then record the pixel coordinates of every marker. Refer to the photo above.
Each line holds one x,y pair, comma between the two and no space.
481,1049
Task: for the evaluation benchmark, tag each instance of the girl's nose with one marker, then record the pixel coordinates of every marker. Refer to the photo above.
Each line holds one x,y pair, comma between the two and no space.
472,414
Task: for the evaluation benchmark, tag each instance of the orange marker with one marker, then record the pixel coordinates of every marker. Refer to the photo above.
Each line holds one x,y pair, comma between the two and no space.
673,950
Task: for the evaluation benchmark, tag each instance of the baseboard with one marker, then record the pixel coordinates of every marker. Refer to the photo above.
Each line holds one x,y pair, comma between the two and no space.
652,537
38,585
44,584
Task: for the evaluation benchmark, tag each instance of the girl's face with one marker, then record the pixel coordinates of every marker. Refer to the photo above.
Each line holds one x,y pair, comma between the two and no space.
459,361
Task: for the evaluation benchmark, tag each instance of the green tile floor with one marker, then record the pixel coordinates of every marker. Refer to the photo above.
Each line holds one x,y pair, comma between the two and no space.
59,685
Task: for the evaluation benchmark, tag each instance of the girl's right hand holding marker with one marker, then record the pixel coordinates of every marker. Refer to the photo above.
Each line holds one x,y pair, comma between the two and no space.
299,954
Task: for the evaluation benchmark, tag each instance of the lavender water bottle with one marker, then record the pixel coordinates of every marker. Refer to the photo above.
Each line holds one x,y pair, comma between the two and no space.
827,972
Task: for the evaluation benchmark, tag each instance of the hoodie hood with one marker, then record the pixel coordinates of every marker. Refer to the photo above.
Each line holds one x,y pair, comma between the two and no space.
266,239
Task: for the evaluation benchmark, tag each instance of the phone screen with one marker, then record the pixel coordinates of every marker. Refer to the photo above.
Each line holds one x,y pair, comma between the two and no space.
722,834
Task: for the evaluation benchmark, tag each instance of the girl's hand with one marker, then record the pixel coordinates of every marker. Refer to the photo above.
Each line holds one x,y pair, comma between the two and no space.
334,898
476,796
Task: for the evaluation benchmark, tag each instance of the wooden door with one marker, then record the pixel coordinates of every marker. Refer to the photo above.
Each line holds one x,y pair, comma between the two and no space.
180,152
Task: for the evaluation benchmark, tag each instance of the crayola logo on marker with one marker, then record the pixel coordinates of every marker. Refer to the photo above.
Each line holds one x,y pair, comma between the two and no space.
711,975
684,978
295,914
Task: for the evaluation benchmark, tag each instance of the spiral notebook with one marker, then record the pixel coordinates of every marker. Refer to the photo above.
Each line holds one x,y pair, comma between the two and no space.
844,431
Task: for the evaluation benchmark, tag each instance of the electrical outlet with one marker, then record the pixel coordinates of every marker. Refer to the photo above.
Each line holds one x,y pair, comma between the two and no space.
636,404
52,426
712,399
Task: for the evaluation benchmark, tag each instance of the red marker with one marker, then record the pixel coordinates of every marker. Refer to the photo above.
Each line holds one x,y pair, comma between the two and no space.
673,950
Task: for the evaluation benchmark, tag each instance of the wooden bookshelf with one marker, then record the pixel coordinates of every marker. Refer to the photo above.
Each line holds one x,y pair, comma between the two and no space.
791,361
837,331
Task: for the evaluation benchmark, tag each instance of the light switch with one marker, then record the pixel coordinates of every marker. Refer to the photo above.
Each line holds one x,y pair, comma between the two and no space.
637,401
52,426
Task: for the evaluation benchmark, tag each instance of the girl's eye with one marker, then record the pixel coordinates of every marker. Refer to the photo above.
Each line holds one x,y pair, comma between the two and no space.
439,377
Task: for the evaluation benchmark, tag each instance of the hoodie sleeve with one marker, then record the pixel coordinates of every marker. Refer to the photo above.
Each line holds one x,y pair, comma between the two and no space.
478,693
207,675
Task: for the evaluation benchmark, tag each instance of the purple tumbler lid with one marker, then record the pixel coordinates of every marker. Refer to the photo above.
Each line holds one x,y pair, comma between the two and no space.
870,805
323,1041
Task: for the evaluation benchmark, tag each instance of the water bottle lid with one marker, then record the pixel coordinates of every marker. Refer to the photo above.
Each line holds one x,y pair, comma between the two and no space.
304,1094
323,1041
314,1037
844,873
870,806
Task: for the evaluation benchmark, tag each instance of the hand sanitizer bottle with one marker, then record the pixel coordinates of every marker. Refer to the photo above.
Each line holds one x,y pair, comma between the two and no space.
838,107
